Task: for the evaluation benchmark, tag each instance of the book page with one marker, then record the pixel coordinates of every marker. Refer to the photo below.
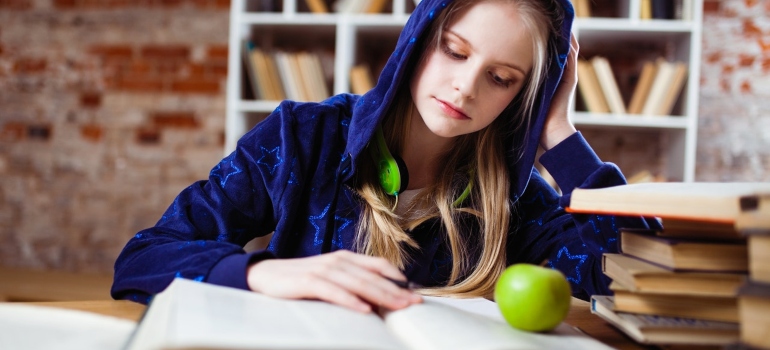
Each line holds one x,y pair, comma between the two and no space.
205,316
42,327
444,323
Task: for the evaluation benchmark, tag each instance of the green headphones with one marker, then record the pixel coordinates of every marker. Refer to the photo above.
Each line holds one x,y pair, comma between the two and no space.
392,171
394,177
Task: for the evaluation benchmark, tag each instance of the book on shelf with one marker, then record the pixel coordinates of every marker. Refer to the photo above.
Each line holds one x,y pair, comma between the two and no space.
286,74
608,84
665,88
360,79
759,255
582,8
590,89
754,306
713,308
645,10
317,6
204,316
706,201
269,83
247,51
376,6
312,76
666,9
642,89
654,329
636,275
662,9
277,91
685,254
675,88
360,6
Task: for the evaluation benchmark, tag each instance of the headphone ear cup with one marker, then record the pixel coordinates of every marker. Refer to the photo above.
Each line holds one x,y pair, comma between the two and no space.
391,170
403,173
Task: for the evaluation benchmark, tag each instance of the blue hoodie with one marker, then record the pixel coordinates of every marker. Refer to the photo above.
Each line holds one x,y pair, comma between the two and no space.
292,175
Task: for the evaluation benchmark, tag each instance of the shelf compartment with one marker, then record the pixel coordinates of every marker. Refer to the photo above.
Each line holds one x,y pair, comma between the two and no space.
630,121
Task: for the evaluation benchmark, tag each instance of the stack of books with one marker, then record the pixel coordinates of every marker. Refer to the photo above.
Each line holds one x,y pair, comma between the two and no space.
684,284
754,296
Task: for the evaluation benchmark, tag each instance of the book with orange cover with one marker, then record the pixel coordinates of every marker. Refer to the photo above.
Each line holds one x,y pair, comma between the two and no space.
706,201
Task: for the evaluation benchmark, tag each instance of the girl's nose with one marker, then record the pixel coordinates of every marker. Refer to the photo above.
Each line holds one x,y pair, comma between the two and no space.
466,82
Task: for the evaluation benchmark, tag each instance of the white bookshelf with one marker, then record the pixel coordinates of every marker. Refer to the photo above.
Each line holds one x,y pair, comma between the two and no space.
677,39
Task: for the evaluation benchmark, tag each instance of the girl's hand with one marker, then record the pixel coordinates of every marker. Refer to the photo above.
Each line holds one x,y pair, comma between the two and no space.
345,278
558,126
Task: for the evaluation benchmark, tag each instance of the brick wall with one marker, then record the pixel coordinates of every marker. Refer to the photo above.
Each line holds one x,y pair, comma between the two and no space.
734,116
108,108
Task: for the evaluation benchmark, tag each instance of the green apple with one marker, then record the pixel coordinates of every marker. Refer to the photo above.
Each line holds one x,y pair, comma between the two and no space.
533,298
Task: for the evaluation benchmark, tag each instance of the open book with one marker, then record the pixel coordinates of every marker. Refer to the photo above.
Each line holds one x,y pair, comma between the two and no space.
204,316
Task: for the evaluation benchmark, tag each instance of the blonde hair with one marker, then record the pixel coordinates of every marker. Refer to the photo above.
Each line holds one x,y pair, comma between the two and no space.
383,233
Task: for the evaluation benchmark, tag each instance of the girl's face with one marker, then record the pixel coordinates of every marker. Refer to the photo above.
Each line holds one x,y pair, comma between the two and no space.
480,65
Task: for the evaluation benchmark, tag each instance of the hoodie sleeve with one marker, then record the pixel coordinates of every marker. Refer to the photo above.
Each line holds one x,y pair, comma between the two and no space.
201,235
571,243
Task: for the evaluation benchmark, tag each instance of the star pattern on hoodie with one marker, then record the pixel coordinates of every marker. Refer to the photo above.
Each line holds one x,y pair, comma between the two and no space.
343,224
270,159
218,170
318,237
565,254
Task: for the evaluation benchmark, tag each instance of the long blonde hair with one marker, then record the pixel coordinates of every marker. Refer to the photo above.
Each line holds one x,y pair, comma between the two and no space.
478,157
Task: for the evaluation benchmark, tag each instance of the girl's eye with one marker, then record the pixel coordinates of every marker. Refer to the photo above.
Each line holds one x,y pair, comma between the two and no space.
501,81
451,53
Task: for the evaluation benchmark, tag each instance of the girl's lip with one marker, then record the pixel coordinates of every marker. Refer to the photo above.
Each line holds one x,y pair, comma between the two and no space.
452,110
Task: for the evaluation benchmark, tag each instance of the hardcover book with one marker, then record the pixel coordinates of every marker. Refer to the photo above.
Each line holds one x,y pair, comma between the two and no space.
706,201
652,329
714,308
685,254
640,276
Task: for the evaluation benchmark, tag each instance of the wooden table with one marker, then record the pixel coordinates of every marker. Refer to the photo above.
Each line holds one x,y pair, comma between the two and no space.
580,317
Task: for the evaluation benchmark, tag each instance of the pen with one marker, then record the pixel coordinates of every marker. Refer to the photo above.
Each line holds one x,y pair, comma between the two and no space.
404,284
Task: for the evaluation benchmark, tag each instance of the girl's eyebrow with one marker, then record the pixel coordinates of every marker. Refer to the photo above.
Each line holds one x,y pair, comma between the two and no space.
466,42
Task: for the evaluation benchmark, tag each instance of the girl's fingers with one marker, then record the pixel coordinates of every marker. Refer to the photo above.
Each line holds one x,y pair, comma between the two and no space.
342,278
371,286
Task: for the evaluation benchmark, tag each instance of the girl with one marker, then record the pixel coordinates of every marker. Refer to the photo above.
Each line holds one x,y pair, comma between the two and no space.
429,176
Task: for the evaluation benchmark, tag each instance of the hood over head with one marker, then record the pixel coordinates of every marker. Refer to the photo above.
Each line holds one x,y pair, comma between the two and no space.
372,107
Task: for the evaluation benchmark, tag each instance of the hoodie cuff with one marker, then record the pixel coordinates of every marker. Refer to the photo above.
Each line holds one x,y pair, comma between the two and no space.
231,270
571,162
